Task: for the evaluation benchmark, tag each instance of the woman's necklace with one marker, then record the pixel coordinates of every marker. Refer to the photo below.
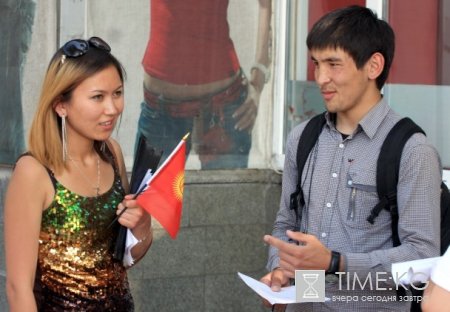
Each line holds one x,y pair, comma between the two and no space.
95,187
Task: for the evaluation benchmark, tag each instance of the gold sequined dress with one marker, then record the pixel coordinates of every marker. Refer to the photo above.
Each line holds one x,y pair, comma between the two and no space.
76,270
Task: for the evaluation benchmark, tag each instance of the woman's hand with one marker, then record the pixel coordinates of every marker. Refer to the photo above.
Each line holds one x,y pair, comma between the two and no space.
139,222
135,218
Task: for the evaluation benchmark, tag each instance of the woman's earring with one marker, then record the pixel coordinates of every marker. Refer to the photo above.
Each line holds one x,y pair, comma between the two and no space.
64,137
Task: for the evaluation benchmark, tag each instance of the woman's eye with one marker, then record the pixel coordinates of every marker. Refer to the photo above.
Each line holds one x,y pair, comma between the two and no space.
118,93
97,97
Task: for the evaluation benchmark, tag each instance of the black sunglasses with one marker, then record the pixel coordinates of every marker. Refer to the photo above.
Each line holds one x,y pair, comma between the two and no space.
79,47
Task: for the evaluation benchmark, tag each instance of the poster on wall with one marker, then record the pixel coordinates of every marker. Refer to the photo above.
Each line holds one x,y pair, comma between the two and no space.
197,66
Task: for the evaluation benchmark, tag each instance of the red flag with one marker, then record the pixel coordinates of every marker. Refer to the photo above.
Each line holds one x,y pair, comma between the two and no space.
163,198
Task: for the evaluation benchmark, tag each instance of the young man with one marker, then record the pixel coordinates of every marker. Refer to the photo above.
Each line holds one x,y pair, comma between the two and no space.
352,51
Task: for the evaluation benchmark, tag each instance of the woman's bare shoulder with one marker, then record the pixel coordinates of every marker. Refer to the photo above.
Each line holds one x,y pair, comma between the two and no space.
30,183
29,166
30,173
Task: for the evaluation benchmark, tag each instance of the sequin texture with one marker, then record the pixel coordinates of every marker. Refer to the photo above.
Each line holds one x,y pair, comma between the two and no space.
76,270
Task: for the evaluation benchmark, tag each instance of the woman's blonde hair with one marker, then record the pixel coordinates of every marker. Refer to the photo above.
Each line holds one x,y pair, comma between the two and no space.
63,75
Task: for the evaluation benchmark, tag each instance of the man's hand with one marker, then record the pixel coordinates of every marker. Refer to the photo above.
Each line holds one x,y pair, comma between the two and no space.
275,280
310,254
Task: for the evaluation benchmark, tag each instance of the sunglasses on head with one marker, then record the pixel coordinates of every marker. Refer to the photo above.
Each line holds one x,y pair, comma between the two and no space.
79,47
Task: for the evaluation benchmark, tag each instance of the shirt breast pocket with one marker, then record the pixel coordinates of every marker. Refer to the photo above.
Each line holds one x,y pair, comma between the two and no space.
363,197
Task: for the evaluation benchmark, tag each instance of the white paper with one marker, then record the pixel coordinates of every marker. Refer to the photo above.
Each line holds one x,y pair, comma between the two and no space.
130,242
446,177
416,271
284,296
146,179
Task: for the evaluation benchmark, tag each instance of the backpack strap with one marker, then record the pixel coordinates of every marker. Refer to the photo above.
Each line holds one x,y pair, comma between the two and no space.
445,218
388,167
306,143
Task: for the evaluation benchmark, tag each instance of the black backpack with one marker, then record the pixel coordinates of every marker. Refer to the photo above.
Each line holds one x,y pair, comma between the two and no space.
388,166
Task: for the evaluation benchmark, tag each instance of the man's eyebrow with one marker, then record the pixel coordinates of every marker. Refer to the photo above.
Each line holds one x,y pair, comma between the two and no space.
328,59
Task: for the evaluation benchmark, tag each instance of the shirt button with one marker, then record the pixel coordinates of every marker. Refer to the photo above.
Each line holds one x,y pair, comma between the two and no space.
324,234
328,205
350,182
334,175
341,145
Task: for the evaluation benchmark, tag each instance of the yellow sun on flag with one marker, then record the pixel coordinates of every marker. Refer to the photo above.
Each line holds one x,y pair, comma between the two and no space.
178,186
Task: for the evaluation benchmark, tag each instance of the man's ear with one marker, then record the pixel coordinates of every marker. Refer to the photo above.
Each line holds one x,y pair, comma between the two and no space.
60,107
375,65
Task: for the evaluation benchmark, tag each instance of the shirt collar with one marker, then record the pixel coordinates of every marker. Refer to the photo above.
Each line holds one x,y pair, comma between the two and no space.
370,122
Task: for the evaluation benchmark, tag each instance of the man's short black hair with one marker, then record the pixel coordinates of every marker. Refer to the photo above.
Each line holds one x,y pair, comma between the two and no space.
359,32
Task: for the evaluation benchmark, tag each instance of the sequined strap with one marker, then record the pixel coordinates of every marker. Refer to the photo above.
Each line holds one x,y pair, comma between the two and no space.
52,177
109,152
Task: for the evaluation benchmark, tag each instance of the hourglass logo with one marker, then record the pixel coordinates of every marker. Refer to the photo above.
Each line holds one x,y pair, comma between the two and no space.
310,285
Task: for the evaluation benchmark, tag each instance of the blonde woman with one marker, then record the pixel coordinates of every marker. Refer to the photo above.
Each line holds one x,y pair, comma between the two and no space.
68,188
